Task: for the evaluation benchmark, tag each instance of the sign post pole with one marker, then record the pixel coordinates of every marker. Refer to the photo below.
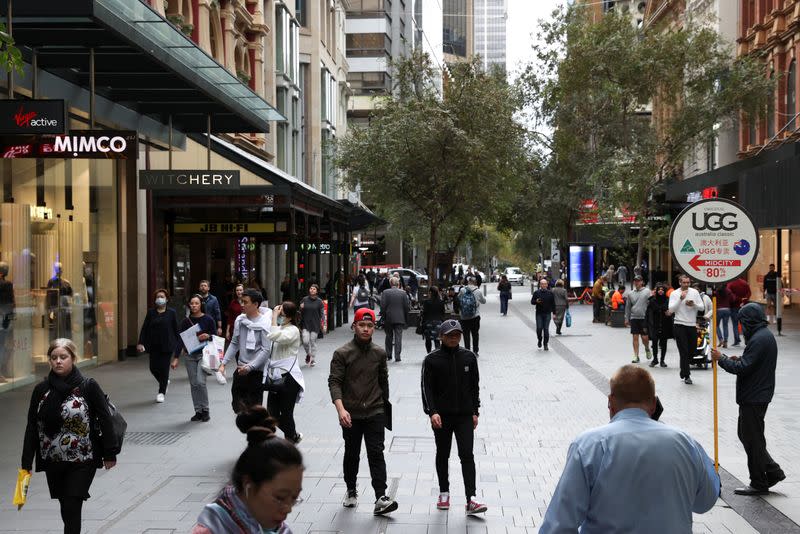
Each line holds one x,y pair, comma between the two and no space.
714,372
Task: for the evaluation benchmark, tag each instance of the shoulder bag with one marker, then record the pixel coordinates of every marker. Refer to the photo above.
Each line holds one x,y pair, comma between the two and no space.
277,384
118,425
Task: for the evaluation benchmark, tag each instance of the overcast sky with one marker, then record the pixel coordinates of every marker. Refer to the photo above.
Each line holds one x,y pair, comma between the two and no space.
522,27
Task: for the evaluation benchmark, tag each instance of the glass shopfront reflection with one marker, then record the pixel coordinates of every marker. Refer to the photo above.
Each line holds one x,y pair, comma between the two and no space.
58,262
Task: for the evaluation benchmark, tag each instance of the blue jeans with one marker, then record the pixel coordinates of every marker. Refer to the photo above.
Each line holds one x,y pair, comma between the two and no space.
735,320
503,303
543,327
723,316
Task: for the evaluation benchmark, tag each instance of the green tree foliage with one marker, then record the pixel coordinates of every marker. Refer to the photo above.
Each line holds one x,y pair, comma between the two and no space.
435,164
594,85
10,56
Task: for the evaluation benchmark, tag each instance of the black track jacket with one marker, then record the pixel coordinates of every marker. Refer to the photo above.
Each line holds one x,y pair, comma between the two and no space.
450,382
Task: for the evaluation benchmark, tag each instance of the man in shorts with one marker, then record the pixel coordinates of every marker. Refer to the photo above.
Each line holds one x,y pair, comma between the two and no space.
635,316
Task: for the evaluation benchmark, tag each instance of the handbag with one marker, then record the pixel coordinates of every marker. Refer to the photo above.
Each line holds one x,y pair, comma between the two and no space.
276,384
118,428
568,319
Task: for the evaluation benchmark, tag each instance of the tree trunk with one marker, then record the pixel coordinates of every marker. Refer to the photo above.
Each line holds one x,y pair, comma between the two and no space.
432,248
640,242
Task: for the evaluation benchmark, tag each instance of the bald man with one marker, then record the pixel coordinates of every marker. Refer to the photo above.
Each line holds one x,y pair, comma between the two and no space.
611,481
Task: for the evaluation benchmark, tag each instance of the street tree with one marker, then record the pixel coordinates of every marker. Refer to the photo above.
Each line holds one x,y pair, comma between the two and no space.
627,106
437,163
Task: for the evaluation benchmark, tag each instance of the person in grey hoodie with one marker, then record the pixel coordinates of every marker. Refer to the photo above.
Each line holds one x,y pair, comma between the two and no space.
755,386
635,316
249,339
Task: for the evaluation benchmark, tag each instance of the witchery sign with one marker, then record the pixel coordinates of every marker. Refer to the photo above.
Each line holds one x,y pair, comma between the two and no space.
183,180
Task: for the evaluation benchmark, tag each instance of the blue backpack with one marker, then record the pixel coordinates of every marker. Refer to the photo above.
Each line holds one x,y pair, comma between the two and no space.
469,304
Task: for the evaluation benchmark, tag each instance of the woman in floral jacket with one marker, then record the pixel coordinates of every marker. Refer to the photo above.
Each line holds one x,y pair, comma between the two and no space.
62,432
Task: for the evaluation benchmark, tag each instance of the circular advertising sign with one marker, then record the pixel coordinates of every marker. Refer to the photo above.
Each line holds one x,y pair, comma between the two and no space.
714,240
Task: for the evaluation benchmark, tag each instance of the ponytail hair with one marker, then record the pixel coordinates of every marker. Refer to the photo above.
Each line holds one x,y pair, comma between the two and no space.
266,454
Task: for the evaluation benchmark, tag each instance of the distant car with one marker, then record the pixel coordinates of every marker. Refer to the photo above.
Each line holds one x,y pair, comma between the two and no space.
405,274
514,275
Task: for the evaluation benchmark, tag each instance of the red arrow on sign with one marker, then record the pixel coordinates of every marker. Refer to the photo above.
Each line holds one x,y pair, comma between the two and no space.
696,263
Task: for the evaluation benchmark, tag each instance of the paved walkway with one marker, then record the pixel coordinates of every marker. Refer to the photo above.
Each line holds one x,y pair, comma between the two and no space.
534,404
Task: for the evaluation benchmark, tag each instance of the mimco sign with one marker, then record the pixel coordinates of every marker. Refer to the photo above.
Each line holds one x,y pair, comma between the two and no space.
189,180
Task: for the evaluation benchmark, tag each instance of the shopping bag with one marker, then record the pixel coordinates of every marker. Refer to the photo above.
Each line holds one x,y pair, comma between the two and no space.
21,490
568,319
209,363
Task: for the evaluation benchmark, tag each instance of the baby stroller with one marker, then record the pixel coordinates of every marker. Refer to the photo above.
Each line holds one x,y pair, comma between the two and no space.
701,357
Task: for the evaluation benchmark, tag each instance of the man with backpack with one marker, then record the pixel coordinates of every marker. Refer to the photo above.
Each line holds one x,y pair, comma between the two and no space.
395,306
469,299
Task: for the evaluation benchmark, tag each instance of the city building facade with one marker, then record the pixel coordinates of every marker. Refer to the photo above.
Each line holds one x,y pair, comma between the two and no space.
490,32
768,149
458,30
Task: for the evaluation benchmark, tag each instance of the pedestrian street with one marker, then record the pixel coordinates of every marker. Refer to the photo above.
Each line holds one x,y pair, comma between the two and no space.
533,404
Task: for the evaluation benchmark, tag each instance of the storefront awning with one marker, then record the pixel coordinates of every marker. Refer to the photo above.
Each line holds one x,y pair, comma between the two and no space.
141,61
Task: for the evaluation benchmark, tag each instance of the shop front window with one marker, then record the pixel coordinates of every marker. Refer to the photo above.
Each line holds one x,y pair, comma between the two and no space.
58,263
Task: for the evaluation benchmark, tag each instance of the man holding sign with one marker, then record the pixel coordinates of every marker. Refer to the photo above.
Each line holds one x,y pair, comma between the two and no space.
755,386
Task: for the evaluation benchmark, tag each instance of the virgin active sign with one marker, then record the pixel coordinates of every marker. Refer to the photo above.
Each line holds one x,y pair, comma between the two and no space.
714,240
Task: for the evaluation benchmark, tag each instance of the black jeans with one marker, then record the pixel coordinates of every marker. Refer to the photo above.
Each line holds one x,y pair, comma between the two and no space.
372,430
597,307
764,471
461,426
281,407
686,340
543,327
71,514
159,368
471,328
247,390
431,343
658,340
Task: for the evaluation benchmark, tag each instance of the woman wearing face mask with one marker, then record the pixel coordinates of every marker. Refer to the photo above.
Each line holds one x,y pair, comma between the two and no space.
62,435
659,323
159,337
285,338
197,377
265,483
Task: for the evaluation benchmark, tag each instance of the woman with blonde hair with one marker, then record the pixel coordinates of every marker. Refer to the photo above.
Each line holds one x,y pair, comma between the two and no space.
62,433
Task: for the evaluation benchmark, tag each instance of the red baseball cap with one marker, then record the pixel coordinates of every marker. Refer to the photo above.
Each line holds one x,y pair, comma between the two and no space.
363,314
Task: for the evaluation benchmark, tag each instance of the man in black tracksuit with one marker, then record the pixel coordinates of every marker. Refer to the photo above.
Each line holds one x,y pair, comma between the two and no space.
450,396
755,386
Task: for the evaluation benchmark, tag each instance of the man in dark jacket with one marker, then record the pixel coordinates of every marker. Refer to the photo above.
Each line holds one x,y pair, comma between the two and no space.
451,399
359,387
394,310
545,304
755,385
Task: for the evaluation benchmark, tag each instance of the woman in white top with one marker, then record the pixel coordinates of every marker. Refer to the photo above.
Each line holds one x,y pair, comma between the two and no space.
285,337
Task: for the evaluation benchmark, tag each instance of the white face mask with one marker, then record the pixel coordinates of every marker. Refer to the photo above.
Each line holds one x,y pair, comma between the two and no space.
161,301
279,320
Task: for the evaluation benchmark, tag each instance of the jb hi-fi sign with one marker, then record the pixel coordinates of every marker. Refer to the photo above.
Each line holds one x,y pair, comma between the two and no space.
22,117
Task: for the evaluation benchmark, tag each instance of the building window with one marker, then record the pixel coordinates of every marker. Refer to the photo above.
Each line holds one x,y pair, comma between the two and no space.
368,45
791,94
300,12
753,134
711,154
454,27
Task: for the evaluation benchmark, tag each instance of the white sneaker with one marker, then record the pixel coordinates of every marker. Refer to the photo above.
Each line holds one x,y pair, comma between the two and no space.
160,397
384,505
350,499
221,380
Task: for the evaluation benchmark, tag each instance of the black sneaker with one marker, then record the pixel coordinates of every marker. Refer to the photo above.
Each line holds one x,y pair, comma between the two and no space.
205,417
545,347
663,364
539,344
384,505
687,381
197,416
653,363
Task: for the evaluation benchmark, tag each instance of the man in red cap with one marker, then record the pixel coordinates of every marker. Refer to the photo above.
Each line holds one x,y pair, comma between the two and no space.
359,387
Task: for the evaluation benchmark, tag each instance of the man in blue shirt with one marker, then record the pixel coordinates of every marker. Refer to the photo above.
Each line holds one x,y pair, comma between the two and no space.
612,482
